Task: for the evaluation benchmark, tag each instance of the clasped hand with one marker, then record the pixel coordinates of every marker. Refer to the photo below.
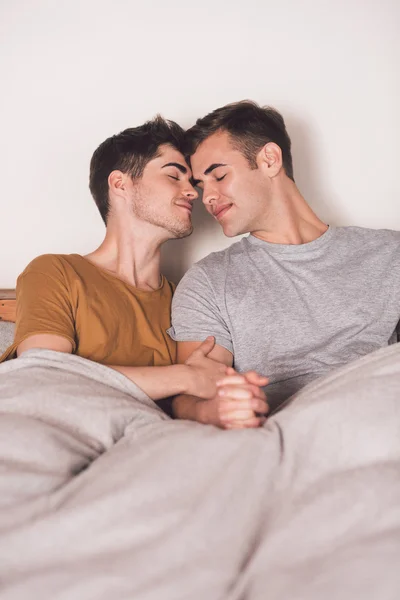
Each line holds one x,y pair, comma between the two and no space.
238,404
229,400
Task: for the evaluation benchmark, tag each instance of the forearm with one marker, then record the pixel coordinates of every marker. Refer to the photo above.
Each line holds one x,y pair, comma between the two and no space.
157,382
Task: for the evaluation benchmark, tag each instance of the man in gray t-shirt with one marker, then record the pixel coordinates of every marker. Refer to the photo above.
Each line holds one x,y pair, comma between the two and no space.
293,300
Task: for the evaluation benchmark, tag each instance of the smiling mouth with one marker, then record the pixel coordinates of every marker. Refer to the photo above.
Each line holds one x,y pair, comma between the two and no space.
221,211
187,207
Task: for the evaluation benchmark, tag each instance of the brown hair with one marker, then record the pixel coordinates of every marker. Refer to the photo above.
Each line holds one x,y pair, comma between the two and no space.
250,127
129,152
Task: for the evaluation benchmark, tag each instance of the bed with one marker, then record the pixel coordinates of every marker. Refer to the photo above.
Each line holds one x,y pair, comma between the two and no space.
104,496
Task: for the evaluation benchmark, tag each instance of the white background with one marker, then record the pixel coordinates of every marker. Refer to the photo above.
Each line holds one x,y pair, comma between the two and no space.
73,73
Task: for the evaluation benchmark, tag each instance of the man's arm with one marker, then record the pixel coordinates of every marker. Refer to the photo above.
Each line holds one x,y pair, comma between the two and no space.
198,375
47,341
197,310
188,407
239,402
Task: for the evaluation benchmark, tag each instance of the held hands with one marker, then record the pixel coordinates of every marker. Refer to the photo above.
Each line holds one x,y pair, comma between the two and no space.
230,400
239,402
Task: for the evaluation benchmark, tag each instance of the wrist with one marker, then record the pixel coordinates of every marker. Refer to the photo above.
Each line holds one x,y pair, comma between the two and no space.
185,375
200,412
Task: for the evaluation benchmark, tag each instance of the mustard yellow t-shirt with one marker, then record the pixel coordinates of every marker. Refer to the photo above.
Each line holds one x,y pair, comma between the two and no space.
105,319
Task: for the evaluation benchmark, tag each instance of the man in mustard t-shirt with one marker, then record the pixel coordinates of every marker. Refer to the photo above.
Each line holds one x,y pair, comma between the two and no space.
113,306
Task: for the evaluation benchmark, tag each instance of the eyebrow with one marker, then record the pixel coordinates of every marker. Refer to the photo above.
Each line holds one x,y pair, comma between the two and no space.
180,167
212,167
209,170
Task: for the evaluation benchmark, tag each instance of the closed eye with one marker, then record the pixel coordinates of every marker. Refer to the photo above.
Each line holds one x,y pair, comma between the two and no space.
172,177
221,178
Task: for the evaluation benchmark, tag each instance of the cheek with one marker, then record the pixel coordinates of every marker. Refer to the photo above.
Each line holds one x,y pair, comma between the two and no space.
254,189
146,190
229,189
160,191
236,190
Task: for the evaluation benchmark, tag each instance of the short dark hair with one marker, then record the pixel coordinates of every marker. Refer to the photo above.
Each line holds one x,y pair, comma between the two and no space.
250,127
129,152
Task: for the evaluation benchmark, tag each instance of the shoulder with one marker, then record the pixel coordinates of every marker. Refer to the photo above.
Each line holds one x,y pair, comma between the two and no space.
213,267
211,270
366,234
216,260
370,238
53,263
56,268
45,263
45,278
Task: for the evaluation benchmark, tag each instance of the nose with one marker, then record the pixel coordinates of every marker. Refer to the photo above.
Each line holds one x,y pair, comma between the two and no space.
190,192
210,195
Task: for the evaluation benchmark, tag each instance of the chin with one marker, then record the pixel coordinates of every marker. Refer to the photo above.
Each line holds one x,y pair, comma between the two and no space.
230,230
182,233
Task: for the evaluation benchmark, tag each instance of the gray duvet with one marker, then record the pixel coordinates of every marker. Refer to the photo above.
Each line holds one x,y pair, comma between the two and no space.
103,497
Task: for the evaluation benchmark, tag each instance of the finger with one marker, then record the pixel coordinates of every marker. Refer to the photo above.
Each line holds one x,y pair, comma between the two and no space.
253,423
230,405
235,392
225,382
256,379
238,392
232,380
257,391
253,404
238,416
253,377
206,346
236,407
260,406
236,378
233,402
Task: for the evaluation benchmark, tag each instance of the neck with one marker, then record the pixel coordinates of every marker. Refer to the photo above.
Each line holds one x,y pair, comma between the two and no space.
131,253
289,219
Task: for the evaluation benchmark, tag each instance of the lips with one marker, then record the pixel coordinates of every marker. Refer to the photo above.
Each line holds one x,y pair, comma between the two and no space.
186,205
220,211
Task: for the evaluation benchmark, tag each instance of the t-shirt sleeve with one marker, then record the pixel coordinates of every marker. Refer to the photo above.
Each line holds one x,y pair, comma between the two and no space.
195,311
43,303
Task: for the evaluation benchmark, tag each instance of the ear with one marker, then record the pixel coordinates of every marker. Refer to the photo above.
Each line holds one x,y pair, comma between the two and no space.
269,159
117,183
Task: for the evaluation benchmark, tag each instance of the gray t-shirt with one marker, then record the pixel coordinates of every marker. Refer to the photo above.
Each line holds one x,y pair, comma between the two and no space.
294,312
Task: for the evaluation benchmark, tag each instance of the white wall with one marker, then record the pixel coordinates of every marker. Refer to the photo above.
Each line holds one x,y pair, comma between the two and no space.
74,72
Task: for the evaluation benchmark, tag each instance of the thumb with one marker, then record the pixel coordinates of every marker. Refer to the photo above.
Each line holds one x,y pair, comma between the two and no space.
255,378
206,346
